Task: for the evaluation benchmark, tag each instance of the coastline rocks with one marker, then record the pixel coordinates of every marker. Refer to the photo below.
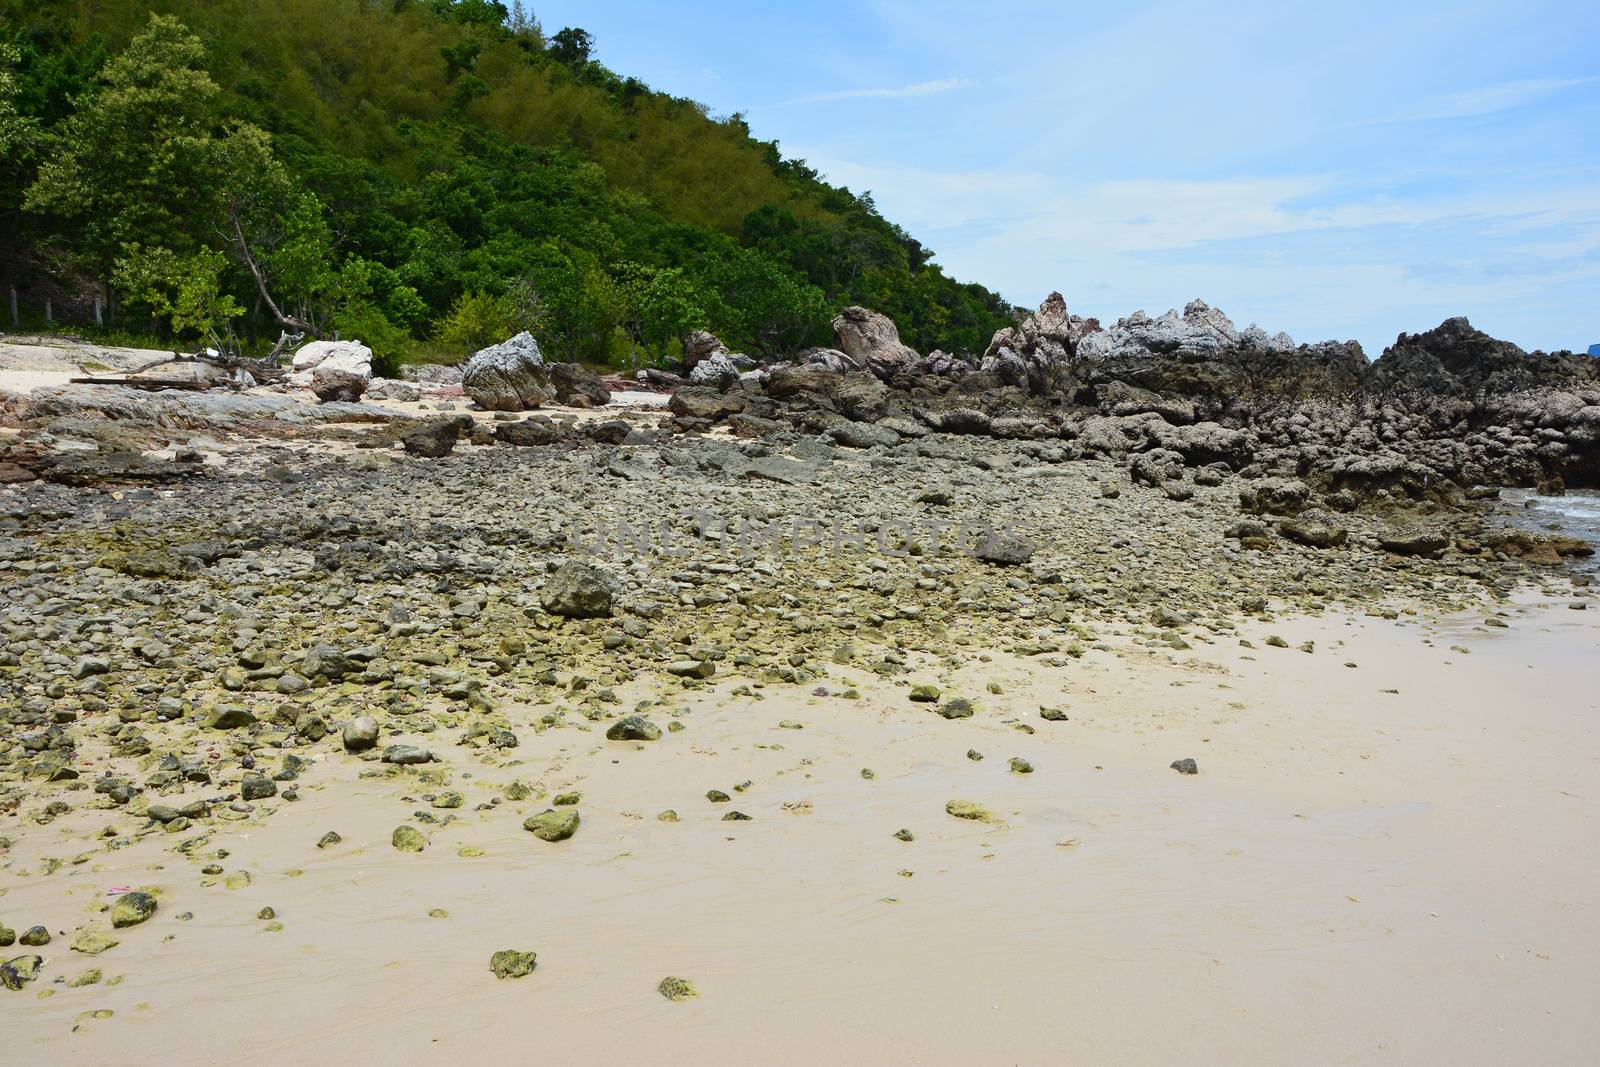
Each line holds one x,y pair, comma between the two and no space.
131,909
872,340
576,385
509,963
701,345
715,370
337,386
551,825
360,734
349,357
436,439
510,376
579,591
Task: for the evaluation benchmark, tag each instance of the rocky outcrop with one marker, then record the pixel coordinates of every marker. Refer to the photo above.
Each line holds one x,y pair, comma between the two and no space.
872,341
509,376
1026,354
350,357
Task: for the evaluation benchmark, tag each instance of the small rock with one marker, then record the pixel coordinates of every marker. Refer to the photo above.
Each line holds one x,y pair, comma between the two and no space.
677,989
552,825
633,728
131,909
509,963
408,839
1185,766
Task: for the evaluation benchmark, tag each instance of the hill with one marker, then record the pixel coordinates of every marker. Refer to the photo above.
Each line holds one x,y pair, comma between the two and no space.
418,172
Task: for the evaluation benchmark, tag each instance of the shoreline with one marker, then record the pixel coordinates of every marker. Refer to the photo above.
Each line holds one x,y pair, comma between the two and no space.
1385,876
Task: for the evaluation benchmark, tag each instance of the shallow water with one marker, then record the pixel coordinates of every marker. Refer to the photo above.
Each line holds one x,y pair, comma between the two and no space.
1576,514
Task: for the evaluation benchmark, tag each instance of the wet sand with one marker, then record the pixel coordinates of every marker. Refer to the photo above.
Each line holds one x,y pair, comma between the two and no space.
1355,875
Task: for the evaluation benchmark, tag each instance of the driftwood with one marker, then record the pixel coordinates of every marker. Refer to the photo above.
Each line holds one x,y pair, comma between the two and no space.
148,384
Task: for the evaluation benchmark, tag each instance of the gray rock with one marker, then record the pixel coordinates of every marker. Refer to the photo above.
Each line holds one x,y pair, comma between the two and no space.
360,734
580,591
510,376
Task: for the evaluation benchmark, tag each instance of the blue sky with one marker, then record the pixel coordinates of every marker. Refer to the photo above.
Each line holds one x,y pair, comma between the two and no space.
1337,170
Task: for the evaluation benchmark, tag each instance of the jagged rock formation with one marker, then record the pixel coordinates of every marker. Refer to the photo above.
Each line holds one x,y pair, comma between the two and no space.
872,341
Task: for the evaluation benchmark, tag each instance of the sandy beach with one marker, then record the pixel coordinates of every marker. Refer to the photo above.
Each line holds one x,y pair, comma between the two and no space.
1381,859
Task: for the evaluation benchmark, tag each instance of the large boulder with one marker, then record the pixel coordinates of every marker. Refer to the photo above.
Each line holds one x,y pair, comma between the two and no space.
510,376
351,357
715,370
872,340
332,386
698,346
577,385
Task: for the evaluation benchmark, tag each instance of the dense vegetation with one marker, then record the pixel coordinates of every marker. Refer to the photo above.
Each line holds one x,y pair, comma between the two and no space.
420,173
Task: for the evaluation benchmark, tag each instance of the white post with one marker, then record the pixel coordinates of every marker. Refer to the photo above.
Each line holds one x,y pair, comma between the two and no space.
14,322
97,320
49,319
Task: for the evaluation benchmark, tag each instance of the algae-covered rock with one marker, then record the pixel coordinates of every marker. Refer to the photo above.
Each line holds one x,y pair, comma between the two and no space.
633,728
34,937
15,973
677,989
925,694
131,909
966,809
1020,766
552,825
509,963
91,941
408,838
959,708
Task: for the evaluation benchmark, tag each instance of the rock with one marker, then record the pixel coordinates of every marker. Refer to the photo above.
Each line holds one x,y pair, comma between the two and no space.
871,340
903,834
716,371
1185,766
337,386
959,708
393,389
229,717
1020,766
1316,529
34,937
360,734
17,972
532,431
131,909
1275,496
552,825
677,989
1415,542
510,376
329,839
509,963
573,382
257,788
633,728
92,942
863,435
408,838
925,694
437,438
579,591
703,402
966,809
692,668
1004,547
1053,714
343,357
406,755
700,345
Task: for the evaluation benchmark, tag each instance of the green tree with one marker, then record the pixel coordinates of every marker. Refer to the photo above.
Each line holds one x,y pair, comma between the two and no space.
185,290
658,307
130,160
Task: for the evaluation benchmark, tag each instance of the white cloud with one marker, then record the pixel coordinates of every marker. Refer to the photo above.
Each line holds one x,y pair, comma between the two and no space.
902,92
1484,100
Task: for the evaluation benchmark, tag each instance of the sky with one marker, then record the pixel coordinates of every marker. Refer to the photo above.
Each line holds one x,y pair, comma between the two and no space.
1343,170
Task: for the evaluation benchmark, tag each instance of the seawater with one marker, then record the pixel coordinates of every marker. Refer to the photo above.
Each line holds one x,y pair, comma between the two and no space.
1576,514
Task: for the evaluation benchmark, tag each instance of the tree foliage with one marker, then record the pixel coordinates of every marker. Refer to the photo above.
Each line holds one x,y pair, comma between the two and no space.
402,167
